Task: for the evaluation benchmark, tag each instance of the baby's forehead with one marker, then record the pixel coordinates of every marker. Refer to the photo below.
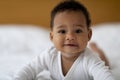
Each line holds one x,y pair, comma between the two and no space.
73,26
71,15
77,17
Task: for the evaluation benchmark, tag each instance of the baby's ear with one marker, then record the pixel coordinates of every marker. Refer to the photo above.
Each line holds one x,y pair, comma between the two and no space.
89,33
51,36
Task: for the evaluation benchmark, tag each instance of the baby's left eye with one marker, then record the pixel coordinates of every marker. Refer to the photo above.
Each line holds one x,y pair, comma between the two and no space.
78,31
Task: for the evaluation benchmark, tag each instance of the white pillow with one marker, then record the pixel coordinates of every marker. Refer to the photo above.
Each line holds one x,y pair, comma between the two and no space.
107,36
18,45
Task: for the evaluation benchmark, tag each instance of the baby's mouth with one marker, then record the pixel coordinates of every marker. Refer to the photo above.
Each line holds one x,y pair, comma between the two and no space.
71,45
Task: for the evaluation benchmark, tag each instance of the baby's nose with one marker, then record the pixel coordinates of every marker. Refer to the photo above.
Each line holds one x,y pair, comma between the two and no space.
70,36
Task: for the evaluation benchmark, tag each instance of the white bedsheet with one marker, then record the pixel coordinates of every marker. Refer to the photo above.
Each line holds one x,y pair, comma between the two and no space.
20,43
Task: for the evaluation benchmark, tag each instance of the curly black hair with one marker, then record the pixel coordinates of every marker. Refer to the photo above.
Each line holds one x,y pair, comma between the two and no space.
70,5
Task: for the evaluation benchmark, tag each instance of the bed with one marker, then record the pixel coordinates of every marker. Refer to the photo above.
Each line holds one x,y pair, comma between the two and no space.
21,43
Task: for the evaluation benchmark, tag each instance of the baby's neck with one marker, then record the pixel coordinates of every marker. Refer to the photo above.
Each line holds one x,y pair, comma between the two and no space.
69,58
67,62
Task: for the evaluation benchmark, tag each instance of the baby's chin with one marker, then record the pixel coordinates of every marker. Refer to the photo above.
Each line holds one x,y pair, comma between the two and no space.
71,53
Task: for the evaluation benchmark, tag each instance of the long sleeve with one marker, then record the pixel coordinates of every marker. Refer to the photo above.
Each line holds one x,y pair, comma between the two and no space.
98,70
30,71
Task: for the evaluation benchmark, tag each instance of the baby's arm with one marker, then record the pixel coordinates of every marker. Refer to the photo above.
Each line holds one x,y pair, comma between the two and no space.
97,69
29,71
97,50
33,70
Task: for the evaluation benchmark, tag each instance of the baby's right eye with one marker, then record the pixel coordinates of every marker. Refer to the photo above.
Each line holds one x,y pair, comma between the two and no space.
62,31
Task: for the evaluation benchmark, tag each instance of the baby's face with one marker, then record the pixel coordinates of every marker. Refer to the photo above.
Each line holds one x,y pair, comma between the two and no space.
70,34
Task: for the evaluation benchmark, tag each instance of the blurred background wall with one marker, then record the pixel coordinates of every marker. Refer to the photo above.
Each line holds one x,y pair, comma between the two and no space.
37,12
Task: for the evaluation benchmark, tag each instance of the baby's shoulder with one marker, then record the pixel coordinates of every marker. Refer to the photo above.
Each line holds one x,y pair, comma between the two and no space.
88,54
49,52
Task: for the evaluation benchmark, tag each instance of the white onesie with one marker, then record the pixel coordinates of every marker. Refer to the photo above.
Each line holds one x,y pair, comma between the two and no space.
87,66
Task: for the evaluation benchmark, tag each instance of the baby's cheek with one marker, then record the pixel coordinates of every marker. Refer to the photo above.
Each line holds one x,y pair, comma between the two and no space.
83,42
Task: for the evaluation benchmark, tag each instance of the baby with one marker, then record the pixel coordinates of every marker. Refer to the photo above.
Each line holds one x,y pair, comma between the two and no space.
69,58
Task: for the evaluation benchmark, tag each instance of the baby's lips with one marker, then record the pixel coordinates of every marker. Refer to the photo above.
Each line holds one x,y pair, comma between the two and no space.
70,45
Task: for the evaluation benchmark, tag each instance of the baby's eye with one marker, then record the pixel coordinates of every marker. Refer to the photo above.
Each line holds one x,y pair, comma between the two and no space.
78,31
62,31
